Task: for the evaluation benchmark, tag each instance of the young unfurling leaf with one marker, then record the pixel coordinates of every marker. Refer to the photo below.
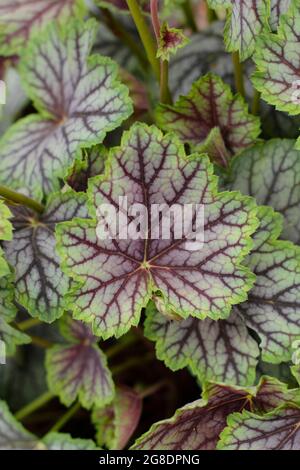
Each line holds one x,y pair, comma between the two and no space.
246,19
19,19
197,426
40,285
78,368
211,119
79,100
116,277
171,39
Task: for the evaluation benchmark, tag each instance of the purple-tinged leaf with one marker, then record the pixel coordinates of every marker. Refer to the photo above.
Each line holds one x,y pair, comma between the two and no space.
20,18
13,436
219,351
79,100
197,426
272,308
246,19
279,430
78,369
116,278
211,119
278,8
91,165
117,422
40,285
278,73
170,40
270,172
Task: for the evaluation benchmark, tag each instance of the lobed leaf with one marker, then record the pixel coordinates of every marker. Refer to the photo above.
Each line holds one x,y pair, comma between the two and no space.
278,75
197,426
19,19
79,369
220,351
272,308
279,430
211,119
40,285
79,100
190,282
270,172
246,19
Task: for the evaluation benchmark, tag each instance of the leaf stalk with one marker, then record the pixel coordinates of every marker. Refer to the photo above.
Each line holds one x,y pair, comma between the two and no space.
18,198
34,405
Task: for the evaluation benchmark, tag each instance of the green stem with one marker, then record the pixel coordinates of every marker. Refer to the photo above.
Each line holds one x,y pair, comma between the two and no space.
27,324
34,405
165,95
189,15
256,103
62,421
120,346
132,362
120,32
41,342
238,73
18,198
152,389
145,35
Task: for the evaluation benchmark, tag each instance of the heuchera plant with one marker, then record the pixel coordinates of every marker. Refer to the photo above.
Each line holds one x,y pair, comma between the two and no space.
143,342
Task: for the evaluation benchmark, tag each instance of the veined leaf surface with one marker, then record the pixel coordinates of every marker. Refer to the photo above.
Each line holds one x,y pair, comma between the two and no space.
79,100
40,285
20,18
131,270
197,426
79,369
